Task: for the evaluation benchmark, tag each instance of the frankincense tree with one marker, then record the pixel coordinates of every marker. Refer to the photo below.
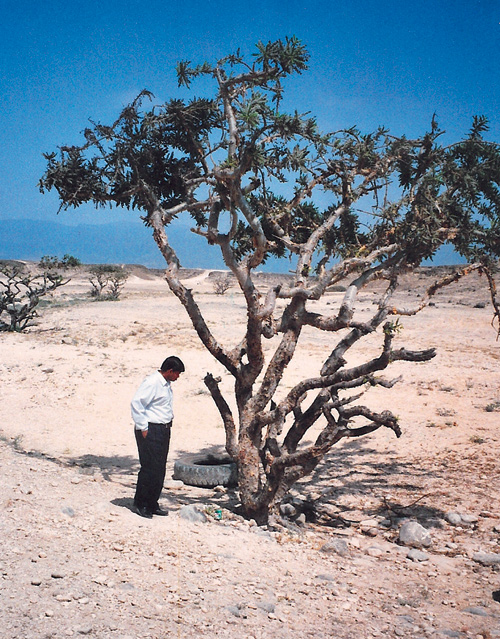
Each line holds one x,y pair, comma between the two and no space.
20,294
260,181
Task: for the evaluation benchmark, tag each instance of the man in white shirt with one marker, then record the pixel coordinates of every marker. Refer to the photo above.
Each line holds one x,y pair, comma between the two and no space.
152,413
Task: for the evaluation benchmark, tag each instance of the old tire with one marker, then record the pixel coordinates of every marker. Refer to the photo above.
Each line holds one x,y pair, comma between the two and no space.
206,471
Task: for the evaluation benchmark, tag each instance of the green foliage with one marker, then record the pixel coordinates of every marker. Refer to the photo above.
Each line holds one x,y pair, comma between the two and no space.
48,262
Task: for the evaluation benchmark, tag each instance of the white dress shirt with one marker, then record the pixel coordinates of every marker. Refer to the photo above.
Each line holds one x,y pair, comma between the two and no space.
152,402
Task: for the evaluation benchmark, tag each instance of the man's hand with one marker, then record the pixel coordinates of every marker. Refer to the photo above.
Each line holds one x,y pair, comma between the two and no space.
145,433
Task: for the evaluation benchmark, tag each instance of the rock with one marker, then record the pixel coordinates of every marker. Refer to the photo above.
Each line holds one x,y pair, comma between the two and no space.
413,534
469,519
172,484
476,610
336,546
417,555
288,510
486,558
453,518
192,513
61,597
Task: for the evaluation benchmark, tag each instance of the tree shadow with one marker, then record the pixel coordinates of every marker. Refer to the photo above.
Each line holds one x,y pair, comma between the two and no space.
393,488
353,470
108,465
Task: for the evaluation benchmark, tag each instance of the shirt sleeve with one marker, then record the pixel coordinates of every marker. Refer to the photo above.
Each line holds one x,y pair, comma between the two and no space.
143,397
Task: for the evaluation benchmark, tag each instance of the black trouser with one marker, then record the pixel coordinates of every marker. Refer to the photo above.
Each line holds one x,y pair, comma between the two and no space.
153,451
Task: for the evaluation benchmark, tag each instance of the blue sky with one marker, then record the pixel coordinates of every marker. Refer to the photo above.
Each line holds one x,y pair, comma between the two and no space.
391,63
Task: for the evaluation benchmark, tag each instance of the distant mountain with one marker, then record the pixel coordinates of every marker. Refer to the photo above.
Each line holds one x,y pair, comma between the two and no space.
115,243
126,243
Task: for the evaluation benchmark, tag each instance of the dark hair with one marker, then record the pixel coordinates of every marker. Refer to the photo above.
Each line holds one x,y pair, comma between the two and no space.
172,364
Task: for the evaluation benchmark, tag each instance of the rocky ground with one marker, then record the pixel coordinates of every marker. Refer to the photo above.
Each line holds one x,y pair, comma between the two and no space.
76,561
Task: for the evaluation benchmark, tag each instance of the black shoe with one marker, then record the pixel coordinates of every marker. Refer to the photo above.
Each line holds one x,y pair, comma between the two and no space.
160,512
143,511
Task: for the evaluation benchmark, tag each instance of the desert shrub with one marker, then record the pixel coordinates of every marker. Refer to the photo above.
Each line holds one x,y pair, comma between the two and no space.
69,261
107,281
222,283
48,262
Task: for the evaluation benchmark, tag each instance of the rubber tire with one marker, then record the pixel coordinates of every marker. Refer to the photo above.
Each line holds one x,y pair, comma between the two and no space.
206,471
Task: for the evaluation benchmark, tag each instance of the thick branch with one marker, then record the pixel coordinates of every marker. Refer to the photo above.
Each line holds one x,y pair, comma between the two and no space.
212,384
185,295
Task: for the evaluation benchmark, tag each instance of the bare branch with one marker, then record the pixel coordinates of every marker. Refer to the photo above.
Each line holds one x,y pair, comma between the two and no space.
435,287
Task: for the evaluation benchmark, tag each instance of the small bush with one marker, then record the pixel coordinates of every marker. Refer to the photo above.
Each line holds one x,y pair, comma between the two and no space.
107,281
50,262
222,283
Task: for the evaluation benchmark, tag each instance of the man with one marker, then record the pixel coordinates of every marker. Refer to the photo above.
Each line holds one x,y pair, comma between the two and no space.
152,414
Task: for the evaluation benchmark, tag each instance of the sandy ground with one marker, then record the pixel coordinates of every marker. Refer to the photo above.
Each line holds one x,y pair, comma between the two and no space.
77,561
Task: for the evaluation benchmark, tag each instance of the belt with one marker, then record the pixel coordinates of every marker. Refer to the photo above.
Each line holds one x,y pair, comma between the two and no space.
156,424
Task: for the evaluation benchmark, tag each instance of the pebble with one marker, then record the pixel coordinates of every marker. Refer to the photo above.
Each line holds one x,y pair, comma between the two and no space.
336,546
476,610
61,597
453,518
486,558
288,510
417,555
469,519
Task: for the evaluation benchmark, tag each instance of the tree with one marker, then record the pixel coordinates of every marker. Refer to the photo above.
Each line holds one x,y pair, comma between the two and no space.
20,293
252,177
107,281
